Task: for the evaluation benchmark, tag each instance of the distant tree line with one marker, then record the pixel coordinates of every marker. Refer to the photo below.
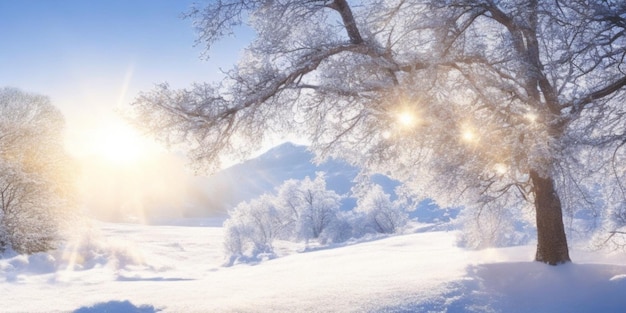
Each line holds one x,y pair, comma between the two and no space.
305,210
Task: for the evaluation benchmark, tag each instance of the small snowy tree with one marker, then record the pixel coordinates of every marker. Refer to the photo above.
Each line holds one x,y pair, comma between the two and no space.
301,210
36,179
612,230
252,228
27,212
317,207
494,226
289,202
382,214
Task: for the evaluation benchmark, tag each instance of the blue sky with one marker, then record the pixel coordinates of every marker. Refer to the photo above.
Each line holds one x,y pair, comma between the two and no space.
92,56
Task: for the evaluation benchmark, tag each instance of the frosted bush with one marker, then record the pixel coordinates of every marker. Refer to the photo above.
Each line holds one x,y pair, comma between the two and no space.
340,230
251,229
380,213
317,207
492,226
301,210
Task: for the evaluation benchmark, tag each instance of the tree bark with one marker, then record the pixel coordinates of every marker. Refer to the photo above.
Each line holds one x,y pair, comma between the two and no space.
349,23
551,240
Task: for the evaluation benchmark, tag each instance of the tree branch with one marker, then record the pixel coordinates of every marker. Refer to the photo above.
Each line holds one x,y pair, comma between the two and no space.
349,23
608,90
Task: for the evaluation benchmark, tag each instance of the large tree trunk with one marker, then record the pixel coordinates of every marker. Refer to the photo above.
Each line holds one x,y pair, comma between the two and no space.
551,240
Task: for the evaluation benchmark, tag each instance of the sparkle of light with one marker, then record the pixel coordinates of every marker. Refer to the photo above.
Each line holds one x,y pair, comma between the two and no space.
531,117
468,135
407,119
500,168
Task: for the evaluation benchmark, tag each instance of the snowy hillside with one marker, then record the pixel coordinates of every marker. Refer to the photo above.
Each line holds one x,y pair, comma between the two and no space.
140,268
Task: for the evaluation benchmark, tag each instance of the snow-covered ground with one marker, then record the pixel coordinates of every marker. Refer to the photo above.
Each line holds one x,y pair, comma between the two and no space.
141,268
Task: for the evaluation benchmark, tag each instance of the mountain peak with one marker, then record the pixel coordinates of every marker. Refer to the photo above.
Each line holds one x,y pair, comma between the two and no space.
285,149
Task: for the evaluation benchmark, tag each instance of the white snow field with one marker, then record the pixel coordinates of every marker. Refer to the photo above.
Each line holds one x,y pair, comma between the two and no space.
141,268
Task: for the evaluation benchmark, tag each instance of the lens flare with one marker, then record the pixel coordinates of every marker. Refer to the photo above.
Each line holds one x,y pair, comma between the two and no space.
407,119
469,136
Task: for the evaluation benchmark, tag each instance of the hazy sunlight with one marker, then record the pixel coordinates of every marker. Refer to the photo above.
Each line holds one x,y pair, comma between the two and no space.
531,117
117,143
501,169
468,135
125,176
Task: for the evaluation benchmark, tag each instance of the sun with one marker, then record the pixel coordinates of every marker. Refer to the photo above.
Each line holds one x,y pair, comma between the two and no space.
468,135
117,143
406,119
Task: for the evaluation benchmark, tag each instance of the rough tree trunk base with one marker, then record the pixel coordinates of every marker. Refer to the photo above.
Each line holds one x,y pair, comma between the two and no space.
551,240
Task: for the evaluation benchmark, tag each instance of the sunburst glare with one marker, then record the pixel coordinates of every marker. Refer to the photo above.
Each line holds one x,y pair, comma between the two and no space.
468,135
407,119
118,143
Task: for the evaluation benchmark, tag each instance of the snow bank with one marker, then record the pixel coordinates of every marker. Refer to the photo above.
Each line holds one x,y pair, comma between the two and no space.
138,268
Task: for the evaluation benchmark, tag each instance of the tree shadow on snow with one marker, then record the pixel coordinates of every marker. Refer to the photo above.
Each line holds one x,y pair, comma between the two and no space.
529,287
117,307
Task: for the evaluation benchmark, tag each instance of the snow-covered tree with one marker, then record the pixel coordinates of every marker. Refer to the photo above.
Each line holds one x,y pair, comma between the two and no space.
289,202
495,226
252,228
300,210
36,176
382,214
465,101
317,207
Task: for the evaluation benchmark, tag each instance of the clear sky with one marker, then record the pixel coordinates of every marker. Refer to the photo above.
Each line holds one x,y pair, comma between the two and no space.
92,56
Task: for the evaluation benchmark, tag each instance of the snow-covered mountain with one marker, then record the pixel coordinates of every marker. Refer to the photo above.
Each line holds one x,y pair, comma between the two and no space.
250,179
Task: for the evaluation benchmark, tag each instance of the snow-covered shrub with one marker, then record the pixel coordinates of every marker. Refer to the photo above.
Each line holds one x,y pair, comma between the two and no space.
380,213
340,230
317,207
301,210
27,212
252,228
289,203
611,235
494,226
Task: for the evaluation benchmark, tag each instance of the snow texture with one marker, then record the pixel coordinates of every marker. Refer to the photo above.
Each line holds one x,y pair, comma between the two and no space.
141,268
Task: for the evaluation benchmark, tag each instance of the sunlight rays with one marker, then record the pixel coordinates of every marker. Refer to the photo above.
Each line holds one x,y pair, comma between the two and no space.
121,101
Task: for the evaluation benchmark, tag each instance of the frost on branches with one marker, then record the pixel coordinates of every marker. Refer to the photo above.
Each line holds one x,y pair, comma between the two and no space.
466,102
381,214
305,211
36,186
301,210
